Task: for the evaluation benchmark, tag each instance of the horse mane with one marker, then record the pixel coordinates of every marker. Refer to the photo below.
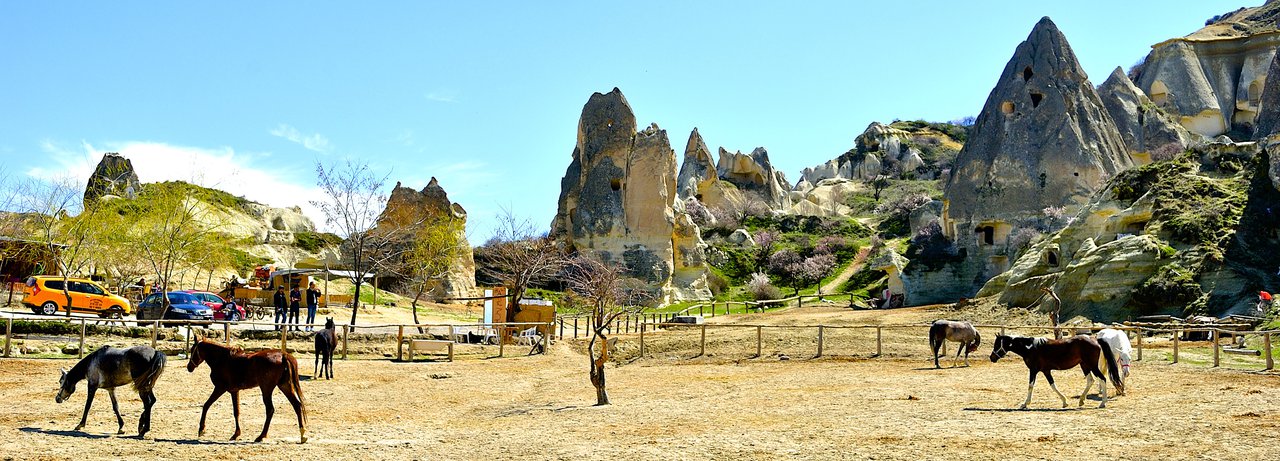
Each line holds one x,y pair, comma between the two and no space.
81,369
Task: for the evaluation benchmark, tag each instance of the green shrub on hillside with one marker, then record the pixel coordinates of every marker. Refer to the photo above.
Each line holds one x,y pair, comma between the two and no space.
315,241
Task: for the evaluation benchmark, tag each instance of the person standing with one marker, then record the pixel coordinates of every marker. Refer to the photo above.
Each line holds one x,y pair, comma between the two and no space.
313,302
295,306
280,302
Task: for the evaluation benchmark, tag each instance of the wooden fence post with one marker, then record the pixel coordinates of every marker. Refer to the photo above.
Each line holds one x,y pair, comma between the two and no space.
155,333
347,330
800,303
575,328
546,339
400,344
1266,343
1176,335
758,341
820,330
702,344
1140,335
226,332
186,341
1214,334
83,326
284,339
502,343
8,333
561,327
700,306
879,350
642,340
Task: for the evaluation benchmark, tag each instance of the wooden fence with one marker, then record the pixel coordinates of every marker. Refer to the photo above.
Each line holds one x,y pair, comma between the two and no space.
650,324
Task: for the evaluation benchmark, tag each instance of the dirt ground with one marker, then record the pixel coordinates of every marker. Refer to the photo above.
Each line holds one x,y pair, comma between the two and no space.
669,405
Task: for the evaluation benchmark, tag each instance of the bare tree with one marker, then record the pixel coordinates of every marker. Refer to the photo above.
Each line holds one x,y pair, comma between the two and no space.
602,286
353,201
68,231
520,257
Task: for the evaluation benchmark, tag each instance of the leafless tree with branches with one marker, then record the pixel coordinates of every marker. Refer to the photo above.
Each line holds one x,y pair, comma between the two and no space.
603,286
520,257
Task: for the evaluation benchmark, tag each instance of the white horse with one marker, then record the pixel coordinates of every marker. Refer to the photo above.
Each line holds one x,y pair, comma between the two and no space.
1119,342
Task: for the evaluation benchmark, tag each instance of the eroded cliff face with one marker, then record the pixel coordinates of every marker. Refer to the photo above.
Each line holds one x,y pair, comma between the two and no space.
1212,80
618,202
113,177
1145,128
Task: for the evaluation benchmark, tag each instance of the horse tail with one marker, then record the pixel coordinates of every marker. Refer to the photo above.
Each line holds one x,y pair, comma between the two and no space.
1113,368
147,381
294,382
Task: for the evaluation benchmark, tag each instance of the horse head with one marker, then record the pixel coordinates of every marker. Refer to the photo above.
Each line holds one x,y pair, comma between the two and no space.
1001,347
973,345
193,357
328,323
65,389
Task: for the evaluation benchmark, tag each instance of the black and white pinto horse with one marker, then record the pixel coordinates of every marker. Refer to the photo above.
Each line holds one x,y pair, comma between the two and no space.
326,342
109,368
1044,355
961,332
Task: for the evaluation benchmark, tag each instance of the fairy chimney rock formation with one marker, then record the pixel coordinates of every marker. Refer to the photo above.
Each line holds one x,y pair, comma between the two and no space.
1212,80
753,173
406,206
1043,139
1268,120
114,177
618,202
698,171
1145,128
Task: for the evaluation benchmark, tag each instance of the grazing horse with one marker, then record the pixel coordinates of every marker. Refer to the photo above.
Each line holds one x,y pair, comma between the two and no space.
232,370
961,332
1044,355
1122,350
326,342
109,368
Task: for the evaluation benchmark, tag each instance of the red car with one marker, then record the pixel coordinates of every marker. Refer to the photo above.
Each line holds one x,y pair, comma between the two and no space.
222,310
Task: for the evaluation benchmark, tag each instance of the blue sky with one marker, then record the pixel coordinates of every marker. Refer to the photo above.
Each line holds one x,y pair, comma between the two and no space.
247,96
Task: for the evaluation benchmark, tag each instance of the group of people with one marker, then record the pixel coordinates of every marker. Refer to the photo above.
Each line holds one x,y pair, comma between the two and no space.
288,307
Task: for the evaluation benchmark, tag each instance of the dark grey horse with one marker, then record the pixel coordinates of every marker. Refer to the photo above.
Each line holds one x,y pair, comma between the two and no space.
961,332
109,368
326,342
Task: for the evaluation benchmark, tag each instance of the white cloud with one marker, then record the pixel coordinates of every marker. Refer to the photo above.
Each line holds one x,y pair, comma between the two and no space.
242,174
442,96
315,141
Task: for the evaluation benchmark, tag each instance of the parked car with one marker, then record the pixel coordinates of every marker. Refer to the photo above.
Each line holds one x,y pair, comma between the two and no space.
222,309
43,295
182,306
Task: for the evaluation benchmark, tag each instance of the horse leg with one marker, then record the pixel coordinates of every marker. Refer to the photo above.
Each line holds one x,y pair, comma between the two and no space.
235,411
1049,377
1102,391
287,390
935,346
1031,384
271,410
88,402
1088,384
116,408
956,361
217,392
144,421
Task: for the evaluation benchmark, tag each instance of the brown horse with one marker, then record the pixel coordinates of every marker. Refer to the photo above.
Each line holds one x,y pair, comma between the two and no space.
1044,355
232,370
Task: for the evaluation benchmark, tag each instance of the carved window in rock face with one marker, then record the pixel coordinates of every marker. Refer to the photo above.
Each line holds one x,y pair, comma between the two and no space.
1035,100
1052,259
1027,73
1006,107
615,184
1159,93
986,235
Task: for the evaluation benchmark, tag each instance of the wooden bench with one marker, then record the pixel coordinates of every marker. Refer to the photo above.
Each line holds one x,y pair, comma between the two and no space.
430,345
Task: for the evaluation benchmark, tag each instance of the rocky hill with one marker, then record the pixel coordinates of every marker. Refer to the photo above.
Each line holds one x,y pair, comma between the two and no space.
1212,79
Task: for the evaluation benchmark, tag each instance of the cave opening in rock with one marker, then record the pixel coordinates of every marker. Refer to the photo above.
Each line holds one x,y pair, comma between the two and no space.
1035,100
1052,259
988,234
615,184
1027,73
1006,107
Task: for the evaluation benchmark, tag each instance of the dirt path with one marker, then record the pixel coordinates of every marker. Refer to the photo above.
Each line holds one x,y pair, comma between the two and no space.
852,268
